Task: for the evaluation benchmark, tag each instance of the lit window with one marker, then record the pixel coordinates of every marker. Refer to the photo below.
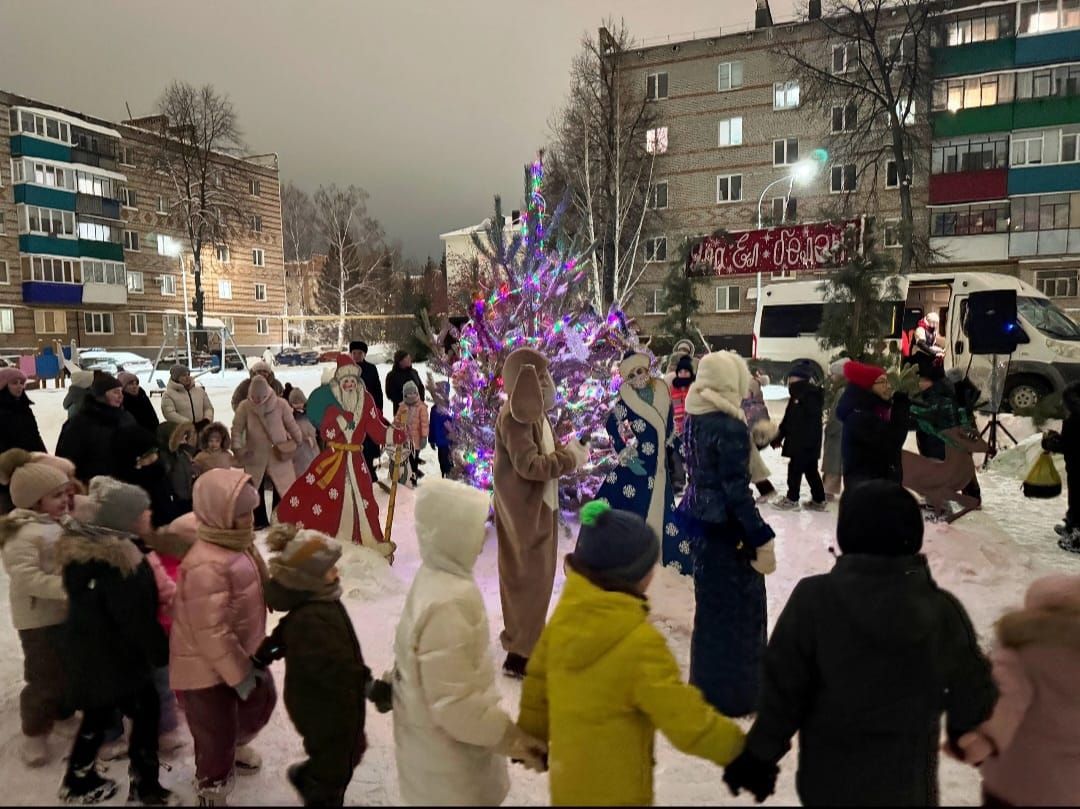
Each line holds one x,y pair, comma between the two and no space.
786,95
50,321
656,140
729,132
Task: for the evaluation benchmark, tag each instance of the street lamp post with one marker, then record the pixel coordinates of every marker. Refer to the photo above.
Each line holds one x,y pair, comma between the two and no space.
175,248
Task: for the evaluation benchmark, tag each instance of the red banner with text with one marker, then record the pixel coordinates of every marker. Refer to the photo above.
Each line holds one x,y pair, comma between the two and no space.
811,246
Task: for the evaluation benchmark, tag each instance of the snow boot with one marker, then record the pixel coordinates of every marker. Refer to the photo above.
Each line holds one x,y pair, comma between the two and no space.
86,788
248,761
1071,542
514,666
813,505
784,504
151,794
34,750
1063,529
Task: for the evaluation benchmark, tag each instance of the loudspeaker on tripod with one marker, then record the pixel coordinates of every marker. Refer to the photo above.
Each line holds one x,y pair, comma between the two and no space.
991,322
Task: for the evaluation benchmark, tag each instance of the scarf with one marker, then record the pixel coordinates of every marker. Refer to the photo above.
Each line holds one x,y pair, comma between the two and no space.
319,588
646,394
682,382
241,540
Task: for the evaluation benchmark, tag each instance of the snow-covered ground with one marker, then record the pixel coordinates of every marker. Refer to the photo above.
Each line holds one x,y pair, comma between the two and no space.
987,559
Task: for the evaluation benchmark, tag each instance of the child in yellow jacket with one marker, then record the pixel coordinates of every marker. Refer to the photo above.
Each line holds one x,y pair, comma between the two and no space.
602,680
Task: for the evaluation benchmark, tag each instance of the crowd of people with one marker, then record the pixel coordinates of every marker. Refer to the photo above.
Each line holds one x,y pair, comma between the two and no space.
138,592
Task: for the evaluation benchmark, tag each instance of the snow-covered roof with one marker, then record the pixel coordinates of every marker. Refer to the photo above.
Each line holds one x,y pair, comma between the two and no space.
507,223
73,120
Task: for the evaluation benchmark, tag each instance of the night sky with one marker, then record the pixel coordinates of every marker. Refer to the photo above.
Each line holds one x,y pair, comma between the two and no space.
432,107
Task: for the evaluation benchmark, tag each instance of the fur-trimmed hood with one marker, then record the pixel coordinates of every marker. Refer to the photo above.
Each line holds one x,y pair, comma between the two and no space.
723,381
82,544
1050,617
183,433
210,429
17,519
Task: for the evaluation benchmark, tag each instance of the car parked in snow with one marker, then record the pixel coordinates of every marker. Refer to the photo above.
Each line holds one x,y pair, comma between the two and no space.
113,362
293,356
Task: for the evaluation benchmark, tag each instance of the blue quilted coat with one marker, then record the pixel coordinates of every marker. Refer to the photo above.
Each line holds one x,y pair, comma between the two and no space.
720,514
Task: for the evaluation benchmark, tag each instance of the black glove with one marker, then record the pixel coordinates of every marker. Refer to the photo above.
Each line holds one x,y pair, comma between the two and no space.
269,651
901,399
752,774
381,693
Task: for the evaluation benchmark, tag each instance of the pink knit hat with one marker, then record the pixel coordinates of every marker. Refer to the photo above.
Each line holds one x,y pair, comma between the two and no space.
9,375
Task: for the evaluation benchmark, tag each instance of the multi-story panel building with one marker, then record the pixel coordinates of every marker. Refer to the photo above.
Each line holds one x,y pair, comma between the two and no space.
89,237
1005,168
730,125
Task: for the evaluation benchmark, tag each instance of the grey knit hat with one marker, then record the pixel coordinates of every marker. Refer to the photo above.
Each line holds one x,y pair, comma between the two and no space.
178,372
616,545
410,389
117,505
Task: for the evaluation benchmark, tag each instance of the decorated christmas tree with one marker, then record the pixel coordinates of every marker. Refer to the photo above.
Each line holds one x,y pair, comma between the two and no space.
535,294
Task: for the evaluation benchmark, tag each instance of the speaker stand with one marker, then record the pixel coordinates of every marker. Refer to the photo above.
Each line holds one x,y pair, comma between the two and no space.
992,428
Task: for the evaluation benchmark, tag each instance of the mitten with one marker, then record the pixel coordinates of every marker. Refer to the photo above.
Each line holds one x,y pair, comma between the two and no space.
579,451
269,651
764,561
972,748
752,774
521,748
246,686
381,693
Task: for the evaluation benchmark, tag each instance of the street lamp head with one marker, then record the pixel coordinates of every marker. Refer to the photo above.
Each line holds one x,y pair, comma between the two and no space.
173,248
804,171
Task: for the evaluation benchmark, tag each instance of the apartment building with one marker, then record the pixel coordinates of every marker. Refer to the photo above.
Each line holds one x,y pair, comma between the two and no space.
731,123
90,236
1005,167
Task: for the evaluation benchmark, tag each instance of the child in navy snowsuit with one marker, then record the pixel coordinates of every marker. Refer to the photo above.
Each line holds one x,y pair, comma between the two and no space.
439,431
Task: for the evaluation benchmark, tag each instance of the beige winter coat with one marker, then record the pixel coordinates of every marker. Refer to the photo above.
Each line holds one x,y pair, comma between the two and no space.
35,587
179,405
256,430
447,715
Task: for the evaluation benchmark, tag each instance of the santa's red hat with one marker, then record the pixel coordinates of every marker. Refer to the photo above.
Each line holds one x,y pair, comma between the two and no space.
346,366
861,374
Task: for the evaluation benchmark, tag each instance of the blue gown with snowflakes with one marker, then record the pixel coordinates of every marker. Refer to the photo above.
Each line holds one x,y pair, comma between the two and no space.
641,483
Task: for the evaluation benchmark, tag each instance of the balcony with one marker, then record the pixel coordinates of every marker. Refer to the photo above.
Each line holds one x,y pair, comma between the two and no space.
89,205
982,247
45,197
975,57
1050,179
968,186
48,245
100,159
49,292
29,146
1045,49
975,121
1044,243
107,251
1049,111
111,294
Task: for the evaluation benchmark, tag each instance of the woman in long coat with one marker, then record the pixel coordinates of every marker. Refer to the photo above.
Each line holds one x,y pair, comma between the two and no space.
264,438
641,483
732,546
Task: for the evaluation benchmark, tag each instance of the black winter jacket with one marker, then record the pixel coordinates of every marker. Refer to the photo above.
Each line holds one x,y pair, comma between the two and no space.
113,639
862,663
369,374
395,382
801,429
142,410
102,440
18,425
871,445
717,451
325,675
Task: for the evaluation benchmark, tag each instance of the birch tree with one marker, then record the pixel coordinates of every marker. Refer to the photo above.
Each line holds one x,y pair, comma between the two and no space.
866,67
299,236
198,146
602,158
357,249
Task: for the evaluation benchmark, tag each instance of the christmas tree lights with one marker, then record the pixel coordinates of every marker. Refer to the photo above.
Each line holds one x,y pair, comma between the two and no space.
536,295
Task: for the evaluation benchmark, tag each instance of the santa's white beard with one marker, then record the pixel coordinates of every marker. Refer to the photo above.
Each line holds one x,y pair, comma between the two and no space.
349,400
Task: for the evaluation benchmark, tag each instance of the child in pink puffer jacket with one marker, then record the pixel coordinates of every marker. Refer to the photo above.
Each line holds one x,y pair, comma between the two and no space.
1029,748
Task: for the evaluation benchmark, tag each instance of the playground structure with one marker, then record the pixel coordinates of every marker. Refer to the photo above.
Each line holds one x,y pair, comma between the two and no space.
211,326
